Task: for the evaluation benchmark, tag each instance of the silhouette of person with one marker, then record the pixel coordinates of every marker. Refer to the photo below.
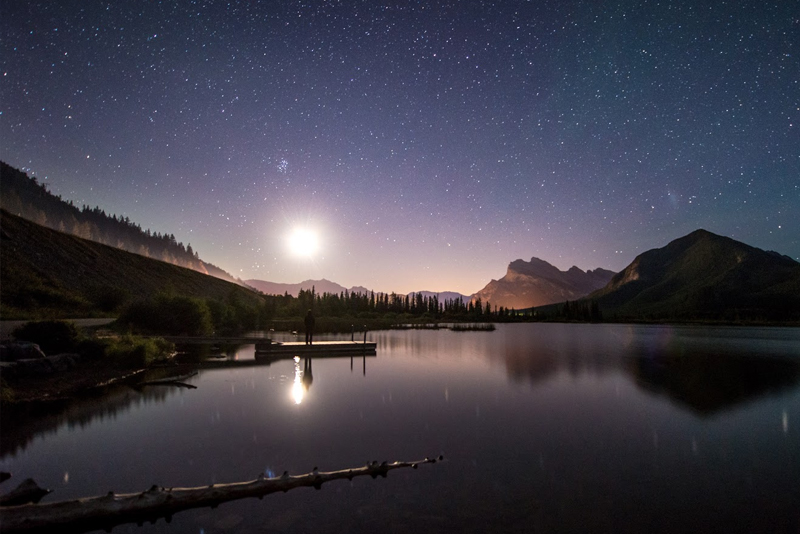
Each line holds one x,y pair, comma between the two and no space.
309,320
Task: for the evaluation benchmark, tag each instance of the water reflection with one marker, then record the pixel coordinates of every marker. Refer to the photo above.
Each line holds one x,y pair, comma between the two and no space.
545,427
302,380
196,353
21,424
531,364
308,376
707,383
702,370
705,370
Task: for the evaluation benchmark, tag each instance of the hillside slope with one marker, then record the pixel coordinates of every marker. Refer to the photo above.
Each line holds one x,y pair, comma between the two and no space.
705,276
24,196
45,273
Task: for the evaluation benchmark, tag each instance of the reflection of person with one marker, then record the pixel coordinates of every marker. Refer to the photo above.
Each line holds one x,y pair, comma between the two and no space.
309,320
308,375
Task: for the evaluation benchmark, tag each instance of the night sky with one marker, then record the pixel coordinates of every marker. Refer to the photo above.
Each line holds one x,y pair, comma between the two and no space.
428,143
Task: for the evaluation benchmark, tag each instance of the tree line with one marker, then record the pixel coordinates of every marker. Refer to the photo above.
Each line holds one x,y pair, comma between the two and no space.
373,305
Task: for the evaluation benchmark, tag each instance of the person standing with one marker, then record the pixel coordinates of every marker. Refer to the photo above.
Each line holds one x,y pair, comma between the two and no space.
309,321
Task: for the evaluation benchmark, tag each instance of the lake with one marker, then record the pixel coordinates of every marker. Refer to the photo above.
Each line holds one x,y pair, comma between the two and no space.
544,428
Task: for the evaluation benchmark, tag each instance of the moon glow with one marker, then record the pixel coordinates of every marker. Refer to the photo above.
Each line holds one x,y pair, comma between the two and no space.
303,242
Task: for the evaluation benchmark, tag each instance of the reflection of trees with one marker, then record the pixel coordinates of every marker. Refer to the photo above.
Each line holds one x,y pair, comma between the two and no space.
529,363
708,382
537,354
200,352
21,424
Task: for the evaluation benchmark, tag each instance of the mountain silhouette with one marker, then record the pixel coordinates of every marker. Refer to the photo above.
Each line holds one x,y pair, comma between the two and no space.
537,283
704,276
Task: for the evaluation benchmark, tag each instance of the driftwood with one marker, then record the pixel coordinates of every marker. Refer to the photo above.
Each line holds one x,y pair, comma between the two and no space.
28,491
105,512
171,381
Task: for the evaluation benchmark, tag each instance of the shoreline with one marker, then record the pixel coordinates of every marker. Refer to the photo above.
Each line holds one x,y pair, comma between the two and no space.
64,385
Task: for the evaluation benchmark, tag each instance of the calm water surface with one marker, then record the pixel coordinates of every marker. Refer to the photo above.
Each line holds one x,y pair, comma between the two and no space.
545,427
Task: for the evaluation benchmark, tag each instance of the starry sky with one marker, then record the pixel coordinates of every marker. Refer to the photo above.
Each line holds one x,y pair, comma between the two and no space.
427,143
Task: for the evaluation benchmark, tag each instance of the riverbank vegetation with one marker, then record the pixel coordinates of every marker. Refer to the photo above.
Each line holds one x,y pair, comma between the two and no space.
64,337
69,360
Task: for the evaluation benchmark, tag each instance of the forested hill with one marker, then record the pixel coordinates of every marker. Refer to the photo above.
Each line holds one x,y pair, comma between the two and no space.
49,274
26,197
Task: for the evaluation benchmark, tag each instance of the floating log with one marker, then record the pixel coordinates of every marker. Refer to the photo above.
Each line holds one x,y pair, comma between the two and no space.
171,381
107,511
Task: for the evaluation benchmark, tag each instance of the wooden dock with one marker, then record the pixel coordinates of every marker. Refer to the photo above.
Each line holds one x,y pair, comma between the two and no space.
267,351
272,352
319,349
216,340
265,344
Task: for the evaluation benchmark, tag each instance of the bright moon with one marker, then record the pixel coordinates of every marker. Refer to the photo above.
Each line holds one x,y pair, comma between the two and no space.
303,242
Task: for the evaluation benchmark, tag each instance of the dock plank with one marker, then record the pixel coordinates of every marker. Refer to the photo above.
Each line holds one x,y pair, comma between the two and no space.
320,348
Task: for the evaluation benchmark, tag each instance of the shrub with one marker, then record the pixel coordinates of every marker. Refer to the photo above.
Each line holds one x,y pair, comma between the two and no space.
52,337
91,348
108,298
135,351
168,315
6,392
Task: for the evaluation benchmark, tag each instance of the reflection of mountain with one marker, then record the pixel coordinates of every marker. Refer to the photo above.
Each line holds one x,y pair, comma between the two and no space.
21,424
531,365
543,351
705,370
708,383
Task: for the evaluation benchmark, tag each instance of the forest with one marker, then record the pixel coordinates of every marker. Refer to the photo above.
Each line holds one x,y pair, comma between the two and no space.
170,314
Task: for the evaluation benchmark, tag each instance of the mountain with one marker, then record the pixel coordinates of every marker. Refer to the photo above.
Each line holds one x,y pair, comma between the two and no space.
23,196
704,276
45,273
537,283
443,296
320,287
